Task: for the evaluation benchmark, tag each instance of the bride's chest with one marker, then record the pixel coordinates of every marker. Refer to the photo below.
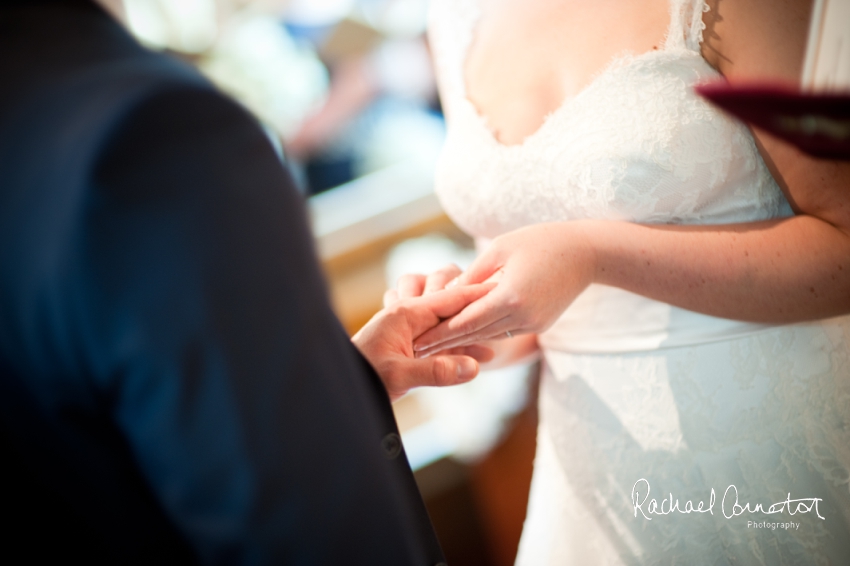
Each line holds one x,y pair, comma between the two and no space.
637,144
525,58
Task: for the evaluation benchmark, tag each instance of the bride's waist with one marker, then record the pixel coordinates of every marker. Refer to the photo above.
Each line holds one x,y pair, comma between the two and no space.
610,320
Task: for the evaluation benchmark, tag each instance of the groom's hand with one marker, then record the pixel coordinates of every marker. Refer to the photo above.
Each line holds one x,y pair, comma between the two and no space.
416,284
387,341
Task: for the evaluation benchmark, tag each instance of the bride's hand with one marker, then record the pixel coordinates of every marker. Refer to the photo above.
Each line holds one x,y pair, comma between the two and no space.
540,270
499,353
414,285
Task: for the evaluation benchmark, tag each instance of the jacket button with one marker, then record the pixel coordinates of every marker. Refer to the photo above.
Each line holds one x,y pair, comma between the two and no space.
391,445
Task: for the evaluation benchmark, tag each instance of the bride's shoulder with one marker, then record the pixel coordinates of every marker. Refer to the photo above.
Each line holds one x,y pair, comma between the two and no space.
450,24
757,39
765,40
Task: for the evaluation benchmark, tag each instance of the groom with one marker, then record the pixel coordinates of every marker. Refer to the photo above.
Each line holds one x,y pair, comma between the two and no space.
174,387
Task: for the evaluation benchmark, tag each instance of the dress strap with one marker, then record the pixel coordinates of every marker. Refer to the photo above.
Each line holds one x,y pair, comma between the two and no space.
686,25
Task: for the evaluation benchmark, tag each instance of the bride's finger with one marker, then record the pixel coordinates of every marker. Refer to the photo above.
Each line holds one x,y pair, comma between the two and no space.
446,303
438,280
471,319
495,331
482,268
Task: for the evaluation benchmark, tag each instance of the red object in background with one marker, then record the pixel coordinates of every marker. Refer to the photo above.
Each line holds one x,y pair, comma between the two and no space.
817,123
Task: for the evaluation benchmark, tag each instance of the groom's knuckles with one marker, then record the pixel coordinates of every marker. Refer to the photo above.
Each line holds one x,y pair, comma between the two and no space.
414,315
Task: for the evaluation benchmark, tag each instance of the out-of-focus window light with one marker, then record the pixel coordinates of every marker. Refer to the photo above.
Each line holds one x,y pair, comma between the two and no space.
317,12
188,26
241,46
395,18
256,62
345,86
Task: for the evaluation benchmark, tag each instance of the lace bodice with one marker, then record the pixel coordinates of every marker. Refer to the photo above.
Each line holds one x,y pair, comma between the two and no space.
633,388
636,144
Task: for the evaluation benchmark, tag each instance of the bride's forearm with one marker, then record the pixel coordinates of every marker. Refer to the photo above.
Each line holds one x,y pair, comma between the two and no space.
773,271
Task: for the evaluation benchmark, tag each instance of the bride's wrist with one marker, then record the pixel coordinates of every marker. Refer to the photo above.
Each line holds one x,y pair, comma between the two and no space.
583,240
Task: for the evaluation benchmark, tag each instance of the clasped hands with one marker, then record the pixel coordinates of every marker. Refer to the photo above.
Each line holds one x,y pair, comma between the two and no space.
435,330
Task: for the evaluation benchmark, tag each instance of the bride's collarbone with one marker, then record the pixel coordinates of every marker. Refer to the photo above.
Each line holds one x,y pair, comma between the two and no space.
527,58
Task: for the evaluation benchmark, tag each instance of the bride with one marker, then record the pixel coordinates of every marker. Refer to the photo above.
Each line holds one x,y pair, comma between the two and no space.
682,276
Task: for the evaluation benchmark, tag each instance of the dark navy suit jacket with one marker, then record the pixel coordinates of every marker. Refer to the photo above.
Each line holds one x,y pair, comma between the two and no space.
174,387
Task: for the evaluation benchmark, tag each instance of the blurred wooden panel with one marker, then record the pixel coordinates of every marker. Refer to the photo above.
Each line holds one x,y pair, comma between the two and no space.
500,484
478,510
447,491
350,38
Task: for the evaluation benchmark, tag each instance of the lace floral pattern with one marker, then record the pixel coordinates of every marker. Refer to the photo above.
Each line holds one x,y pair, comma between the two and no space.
634,388
636,144
768,413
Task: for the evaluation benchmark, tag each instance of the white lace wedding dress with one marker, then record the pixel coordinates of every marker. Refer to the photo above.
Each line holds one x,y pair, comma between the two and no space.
634,389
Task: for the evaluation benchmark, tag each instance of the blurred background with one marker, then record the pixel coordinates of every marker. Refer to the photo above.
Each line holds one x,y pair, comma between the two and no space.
345,91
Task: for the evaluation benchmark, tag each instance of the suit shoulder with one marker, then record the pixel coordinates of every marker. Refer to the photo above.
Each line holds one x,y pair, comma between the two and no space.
58,54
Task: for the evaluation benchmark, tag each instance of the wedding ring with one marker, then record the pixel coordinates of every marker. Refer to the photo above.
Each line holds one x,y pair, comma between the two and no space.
508,334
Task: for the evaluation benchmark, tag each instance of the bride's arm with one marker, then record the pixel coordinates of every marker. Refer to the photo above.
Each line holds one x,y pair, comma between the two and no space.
780,271
783,271
774,271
